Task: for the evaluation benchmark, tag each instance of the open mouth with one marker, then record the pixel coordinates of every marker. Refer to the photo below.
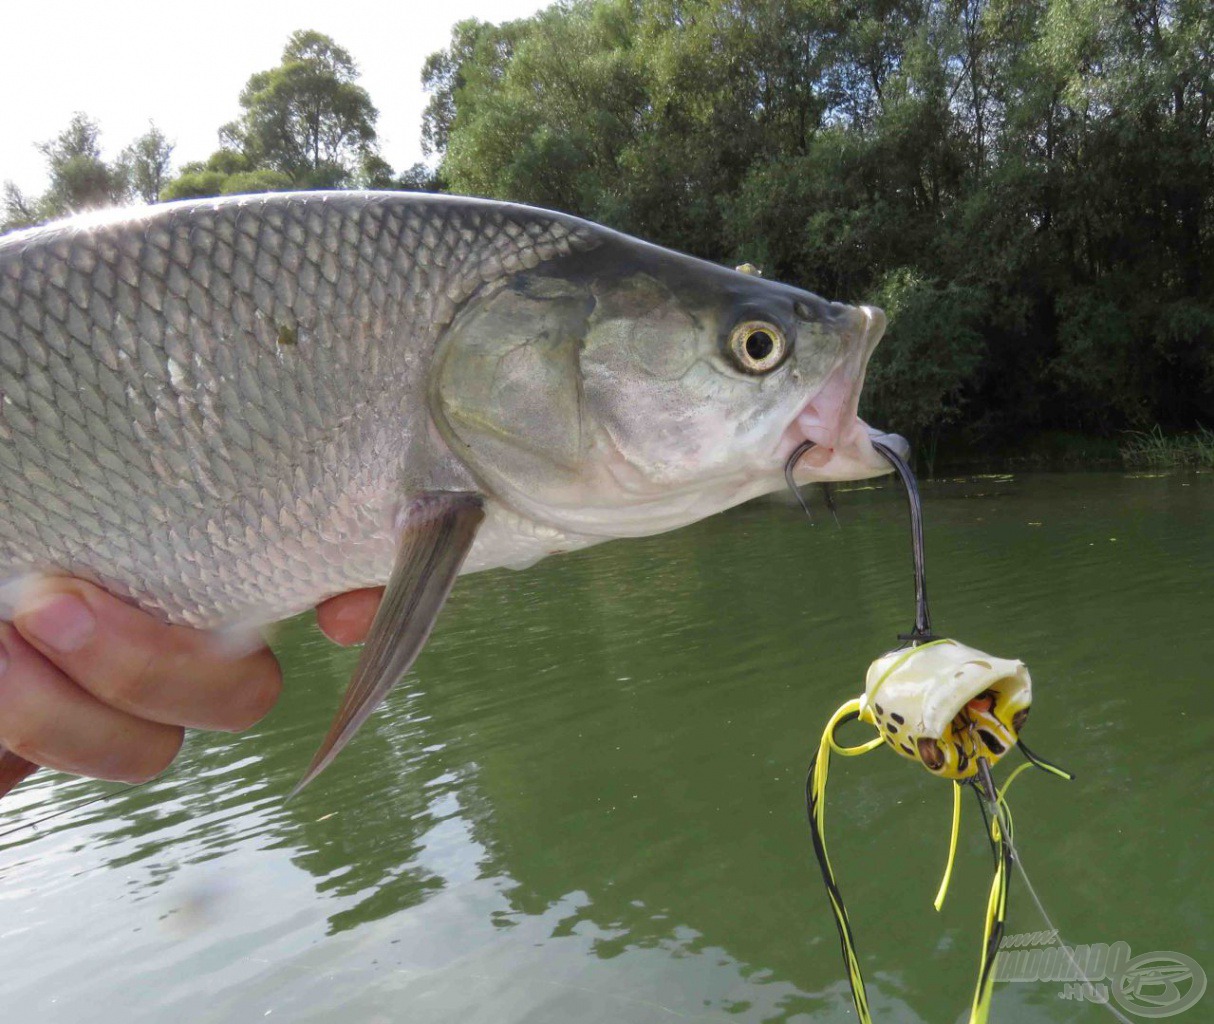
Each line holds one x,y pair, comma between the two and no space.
842,441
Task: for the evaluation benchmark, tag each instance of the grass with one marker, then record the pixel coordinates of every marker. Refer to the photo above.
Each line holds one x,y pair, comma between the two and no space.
1043,450
1154,448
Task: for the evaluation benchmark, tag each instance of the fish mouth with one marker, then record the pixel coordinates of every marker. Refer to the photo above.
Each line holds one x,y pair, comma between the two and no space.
843,443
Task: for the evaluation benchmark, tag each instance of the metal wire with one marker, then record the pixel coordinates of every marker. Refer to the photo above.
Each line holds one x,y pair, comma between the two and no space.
923,616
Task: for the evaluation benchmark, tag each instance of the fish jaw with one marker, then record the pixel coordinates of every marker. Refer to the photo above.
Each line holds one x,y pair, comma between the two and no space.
843,443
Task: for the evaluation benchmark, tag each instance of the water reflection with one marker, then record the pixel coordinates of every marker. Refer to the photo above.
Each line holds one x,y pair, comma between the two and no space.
584,803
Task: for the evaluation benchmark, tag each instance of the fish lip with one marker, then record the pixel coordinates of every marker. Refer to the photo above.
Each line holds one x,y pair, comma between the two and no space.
900,445
845,454
843,448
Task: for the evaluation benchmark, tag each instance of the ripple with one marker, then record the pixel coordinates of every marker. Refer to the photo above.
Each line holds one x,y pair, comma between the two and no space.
585,801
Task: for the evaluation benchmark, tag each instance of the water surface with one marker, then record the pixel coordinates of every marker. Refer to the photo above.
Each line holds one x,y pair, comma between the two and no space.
585,804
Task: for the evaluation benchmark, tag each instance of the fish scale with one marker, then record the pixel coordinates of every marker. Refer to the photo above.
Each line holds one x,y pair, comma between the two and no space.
228,410
202,405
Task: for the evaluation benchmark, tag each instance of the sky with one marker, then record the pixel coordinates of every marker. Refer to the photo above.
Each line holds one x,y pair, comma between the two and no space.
124,63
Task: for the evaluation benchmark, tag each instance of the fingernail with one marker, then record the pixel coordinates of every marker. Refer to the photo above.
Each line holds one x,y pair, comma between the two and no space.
3,659
63,622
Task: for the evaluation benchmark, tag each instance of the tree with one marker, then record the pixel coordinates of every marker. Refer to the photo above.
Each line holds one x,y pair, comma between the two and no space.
145,164
306,118
419,178
80,178
224,173
1027,184
19,210
930,360
306,124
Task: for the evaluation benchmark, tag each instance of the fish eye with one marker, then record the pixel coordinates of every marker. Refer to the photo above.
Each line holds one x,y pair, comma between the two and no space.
757,346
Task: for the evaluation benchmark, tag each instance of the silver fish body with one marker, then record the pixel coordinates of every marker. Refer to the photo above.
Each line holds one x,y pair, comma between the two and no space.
211,408
216,409
226,411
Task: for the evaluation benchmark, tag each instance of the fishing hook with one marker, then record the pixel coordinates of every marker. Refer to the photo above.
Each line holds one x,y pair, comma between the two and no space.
923,616
793,459
827,493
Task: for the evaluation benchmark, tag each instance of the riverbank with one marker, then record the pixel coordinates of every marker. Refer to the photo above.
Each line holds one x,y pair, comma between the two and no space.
1154,448
1147,449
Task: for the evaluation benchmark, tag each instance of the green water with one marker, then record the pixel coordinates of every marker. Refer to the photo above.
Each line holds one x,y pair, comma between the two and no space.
585,804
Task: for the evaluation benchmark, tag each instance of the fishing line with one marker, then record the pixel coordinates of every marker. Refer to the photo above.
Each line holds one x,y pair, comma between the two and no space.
68,810
828,495
1067,951
975,746
923,616
999,809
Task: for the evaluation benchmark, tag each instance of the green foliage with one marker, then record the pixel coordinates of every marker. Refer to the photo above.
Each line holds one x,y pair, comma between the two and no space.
222,161
80,179
306,118
194,184
1028,185
201,178
931,354
225,173
260,180
144,164
1156,449
20,211
306,124
418,178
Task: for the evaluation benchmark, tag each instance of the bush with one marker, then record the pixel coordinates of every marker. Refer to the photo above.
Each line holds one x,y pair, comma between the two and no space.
933,348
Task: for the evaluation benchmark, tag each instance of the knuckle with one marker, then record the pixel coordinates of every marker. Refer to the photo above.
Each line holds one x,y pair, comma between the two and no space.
24,743
127,685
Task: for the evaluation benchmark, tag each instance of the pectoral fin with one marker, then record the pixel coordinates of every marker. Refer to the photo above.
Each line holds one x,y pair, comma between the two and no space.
438,531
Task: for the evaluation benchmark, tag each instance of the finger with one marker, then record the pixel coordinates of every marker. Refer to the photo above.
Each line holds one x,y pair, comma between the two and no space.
45,718
346,619
12,770
133,662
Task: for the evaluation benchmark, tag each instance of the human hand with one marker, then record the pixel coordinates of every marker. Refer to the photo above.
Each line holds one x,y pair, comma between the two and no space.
92,686
346,619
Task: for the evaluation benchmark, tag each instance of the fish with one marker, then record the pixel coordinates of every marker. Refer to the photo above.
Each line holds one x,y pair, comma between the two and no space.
225,411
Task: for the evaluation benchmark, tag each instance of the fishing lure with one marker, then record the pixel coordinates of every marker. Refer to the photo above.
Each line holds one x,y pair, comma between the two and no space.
956,711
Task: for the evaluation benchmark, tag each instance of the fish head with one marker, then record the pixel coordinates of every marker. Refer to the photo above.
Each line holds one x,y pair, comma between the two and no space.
629,390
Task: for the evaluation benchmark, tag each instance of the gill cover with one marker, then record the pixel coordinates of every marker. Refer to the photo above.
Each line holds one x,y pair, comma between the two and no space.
544,387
